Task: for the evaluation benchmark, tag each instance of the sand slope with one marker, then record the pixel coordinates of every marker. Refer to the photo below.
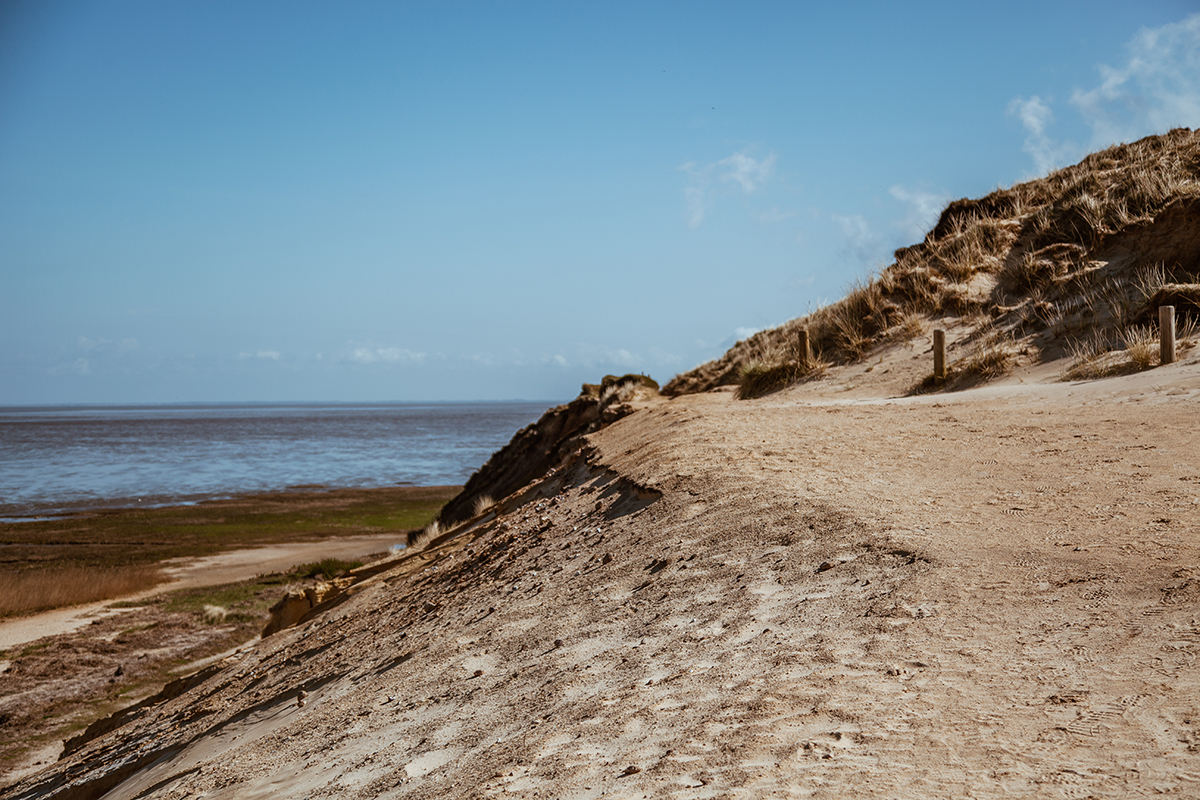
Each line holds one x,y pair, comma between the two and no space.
990,594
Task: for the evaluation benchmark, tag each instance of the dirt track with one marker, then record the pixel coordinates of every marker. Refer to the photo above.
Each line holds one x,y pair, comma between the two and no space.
817,594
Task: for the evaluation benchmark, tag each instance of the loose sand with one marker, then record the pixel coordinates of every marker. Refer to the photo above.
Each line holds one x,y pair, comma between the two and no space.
823,593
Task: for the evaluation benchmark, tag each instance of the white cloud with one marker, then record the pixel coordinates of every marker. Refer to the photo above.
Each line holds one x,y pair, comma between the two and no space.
697,203
861,241
924,209
272,355
1035,116
81,366
559,361
623,358
740,171
385,355
1156,89
742,333
747,172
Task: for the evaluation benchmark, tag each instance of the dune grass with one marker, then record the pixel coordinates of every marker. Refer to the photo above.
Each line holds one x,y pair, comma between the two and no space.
1025,256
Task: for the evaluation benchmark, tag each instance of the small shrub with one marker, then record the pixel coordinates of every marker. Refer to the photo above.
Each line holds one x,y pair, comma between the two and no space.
214,615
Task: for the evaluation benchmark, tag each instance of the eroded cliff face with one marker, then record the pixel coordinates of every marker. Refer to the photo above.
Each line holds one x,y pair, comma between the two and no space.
545,444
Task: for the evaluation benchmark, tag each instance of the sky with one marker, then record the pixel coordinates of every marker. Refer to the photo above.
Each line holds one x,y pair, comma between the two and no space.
205,200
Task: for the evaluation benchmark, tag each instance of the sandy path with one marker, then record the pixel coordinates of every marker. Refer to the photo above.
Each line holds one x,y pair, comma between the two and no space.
235,565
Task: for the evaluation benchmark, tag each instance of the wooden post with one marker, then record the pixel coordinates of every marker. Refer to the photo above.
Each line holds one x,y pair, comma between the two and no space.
939,355
1166,335
804,349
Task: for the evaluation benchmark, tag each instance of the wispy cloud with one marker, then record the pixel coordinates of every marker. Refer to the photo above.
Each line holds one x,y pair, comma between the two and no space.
1157,88
923,210
741,172
747,172
862,242
1035,116
270,355
385,355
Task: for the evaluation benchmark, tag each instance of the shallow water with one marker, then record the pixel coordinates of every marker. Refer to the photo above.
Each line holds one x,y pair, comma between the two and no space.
65,458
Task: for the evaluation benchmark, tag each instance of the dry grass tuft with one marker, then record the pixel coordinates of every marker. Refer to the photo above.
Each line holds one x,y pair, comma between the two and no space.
1089,358
430,531
33,590
911,326
774,372
214,615
1141,346
993,356
482,504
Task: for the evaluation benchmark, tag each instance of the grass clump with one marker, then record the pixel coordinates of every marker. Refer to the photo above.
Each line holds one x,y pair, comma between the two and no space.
759,378
483,503
1141,346
994,354
1092,356
430,531
325,569
775,371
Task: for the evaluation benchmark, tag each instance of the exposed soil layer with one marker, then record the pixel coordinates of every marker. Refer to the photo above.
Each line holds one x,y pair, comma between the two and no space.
989,594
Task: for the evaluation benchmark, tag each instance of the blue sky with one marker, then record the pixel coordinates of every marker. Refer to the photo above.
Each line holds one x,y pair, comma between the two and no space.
207,201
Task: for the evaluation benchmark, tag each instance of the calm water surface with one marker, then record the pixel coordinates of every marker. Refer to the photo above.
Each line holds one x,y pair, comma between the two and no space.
55,459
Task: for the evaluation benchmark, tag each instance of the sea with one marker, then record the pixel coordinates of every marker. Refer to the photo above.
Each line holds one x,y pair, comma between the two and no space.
64,459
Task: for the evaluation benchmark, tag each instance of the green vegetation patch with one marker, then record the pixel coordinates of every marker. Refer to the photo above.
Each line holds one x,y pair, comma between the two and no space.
124,546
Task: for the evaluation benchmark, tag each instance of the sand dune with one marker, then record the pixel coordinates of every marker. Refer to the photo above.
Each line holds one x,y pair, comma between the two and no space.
987,594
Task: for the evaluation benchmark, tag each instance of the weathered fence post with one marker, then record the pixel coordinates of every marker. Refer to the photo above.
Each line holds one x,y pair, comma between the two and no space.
1166,327
805,349
939,355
